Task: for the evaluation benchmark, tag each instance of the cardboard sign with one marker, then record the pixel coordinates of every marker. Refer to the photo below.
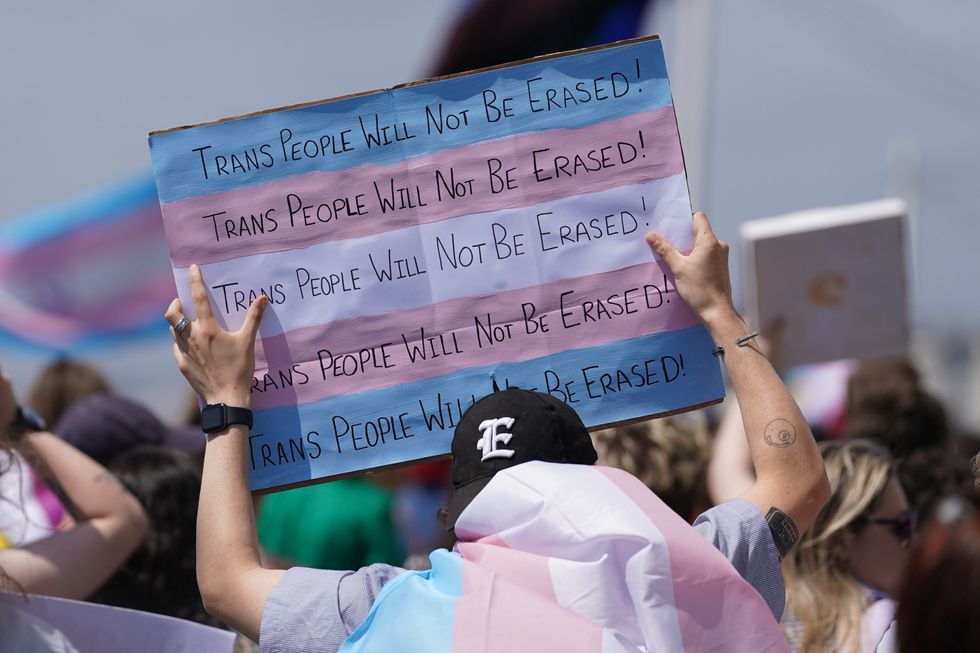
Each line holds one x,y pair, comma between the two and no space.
95,628
422,242
829,284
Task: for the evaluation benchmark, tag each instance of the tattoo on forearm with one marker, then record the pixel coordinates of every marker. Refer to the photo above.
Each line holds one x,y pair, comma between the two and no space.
780,433
784,531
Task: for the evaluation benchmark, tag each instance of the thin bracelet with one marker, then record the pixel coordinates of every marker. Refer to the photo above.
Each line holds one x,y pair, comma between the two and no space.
741,342
746,339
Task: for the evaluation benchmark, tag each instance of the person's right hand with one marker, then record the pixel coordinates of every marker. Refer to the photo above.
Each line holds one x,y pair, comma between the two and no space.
702,276
218,364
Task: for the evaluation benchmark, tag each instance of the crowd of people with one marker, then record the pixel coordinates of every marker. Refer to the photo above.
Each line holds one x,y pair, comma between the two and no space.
866,538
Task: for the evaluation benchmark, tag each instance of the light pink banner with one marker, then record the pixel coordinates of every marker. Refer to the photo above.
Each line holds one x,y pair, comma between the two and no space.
196,238
357,361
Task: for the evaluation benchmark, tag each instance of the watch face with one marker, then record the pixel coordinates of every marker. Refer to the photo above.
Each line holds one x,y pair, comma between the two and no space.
213,418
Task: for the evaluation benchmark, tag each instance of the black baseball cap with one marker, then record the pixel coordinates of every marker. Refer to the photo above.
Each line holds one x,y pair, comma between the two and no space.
527,425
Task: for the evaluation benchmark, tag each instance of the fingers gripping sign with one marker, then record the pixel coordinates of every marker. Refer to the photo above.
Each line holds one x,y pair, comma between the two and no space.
217,363
701,276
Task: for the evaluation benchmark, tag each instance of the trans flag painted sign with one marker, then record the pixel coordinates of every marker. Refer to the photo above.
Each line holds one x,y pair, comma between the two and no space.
421,243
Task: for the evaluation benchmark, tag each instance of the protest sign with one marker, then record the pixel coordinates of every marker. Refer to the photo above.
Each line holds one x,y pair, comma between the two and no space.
829,284
94,628
419,243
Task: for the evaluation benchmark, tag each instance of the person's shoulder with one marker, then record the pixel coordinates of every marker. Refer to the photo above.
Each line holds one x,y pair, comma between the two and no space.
340,601
740,532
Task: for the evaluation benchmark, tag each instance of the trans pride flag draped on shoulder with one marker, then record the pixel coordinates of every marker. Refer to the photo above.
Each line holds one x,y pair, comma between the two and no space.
570,558
85,273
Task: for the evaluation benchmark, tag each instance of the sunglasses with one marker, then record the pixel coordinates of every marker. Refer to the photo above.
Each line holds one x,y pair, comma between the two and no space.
901,526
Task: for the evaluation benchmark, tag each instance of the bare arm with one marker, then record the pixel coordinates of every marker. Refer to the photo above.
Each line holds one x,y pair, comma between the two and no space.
730,471
791,485
110,525
219,366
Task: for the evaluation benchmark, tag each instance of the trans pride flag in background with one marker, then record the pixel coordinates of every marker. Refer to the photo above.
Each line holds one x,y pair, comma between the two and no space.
89,272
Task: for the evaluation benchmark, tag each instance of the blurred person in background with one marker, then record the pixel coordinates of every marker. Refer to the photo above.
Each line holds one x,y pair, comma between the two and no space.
420,492
61,384
492,32
670,455
108,521
161,574
887,403
939,605
840,577
107,425
345,524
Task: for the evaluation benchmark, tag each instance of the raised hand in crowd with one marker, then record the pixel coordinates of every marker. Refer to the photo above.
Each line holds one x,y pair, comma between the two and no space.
791,485
219,365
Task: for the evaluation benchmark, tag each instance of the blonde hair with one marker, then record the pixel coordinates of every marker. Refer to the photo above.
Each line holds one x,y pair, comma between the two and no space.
821,592
670,455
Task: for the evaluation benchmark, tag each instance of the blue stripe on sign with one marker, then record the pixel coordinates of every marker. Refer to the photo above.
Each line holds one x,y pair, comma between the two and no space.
297,443
100,207
179,168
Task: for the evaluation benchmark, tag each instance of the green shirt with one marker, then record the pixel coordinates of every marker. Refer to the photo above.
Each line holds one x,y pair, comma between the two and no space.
344,524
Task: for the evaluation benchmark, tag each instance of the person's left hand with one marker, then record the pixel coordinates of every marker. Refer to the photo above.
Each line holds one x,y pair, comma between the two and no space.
218,364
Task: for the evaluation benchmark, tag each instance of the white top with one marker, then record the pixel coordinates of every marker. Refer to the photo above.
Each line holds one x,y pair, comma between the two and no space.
22,517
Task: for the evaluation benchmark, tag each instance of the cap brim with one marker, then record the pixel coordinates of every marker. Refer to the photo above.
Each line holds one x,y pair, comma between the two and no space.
460,497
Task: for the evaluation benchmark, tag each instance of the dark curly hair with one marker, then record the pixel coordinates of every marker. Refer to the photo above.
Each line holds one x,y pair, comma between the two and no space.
161,575
887,402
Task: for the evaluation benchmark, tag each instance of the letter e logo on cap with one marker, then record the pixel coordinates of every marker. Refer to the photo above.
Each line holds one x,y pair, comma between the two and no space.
491,438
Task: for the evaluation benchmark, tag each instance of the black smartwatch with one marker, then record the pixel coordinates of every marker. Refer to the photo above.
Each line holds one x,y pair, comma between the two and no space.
218,417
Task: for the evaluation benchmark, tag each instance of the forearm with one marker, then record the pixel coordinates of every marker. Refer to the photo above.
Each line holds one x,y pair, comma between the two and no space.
730,471
110,526
94,491
227,546
226,538
789,469
219,366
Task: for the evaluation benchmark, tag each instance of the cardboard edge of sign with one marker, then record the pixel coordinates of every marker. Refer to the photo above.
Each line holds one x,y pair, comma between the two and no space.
428,80
446,456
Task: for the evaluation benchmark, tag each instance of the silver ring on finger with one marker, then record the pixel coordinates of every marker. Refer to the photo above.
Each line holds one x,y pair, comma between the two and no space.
181,326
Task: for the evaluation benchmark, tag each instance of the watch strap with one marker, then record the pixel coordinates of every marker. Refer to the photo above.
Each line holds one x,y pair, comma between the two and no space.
218,417
238,415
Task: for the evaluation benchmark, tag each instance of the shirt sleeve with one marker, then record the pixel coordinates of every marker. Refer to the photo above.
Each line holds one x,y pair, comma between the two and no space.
740,532
316,609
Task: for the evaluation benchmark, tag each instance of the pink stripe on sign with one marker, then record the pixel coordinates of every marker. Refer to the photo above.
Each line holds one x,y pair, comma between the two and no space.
717,609
196,238
500,611
357,361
